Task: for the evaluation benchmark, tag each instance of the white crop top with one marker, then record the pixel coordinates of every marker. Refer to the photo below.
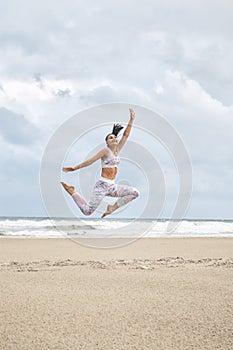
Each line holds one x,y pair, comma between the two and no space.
110,162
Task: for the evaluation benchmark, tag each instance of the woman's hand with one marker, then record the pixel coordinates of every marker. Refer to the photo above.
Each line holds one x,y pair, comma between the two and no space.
67,169
132,114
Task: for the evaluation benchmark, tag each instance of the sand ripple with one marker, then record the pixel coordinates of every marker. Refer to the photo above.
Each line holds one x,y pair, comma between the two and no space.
142,264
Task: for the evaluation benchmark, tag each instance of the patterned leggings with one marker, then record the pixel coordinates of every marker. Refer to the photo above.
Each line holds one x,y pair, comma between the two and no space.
101,190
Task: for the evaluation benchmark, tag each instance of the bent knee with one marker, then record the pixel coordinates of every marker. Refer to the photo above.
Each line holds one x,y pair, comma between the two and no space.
135,193
87,211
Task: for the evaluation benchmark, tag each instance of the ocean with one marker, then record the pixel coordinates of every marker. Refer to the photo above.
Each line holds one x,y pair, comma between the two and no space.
111,228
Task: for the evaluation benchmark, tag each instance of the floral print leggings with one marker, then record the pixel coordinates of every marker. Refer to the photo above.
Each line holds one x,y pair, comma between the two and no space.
101,190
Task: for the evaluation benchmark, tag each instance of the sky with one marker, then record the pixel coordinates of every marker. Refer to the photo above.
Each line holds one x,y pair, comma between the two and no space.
173,57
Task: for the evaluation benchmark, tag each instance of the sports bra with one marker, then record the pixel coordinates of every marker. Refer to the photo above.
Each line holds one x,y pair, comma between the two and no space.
110,162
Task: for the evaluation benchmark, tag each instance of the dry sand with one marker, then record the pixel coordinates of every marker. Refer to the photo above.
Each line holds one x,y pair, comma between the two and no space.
153,294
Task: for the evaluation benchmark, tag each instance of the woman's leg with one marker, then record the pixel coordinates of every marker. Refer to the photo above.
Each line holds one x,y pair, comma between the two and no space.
87,208
126,194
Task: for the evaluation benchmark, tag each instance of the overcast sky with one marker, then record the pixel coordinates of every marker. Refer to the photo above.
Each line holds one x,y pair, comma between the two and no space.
173,57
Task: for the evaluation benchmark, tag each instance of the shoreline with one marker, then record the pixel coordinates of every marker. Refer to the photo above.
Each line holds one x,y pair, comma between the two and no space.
27,249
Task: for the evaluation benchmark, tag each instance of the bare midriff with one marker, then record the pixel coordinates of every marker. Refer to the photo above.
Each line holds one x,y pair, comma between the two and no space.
109,173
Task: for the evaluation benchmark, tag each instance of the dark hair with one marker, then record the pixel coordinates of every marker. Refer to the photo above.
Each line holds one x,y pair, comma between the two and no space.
115,130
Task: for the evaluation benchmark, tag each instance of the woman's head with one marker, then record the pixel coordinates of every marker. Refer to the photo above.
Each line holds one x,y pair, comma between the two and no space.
111,140
112,137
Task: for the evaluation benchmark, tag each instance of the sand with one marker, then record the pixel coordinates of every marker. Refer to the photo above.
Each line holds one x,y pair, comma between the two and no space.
152,294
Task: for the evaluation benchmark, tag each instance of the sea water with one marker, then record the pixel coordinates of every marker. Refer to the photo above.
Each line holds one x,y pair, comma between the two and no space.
112,228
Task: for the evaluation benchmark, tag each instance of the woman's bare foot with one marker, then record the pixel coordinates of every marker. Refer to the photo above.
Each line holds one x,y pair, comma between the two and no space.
110,210
69,189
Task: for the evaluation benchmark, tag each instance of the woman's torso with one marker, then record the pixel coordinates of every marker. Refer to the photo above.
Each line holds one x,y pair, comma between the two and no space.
110,166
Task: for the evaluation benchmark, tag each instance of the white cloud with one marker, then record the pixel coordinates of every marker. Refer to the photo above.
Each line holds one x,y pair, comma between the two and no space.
159,89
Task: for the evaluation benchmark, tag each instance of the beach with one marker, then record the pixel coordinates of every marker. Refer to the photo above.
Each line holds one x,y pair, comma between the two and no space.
153,293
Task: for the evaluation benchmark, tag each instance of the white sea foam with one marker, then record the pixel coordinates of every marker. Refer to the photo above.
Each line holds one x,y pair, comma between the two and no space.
94,228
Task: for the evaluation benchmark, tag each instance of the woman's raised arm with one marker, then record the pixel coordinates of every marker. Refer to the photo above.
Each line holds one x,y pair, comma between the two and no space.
127,130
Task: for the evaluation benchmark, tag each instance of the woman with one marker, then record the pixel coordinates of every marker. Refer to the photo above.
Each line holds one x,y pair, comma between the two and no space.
106,186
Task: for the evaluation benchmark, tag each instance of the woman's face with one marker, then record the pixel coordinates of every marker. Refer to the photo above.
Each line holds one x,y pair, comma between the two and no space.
112,140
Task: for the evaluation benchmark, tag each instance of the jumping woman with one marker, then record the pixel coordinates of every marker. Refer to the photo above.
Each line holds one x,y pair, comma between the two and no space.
106,185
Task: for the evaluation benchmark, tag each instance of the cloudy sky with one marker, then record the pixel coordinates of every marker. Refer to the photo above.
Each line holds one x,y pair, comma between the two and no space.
58,58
